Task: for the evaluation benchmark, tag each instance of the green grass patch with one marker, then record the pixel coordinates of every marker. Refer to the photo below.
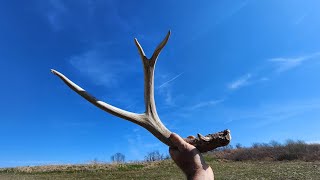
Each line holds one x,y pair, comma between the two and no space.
167,170
128,167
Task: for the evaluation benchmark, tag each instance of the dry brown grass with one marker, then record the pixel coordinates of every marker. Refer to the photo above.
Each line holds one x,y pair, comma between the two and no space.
223,169
292,150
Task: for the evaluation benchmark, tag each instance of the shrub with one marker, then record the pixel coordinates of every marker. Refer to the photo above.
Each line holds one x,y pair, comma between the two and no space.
118,158
154,156
291,150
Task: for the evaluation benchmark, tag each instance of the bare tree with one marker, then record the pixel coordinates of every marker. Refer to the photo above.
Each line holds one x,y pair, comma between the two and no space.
238,146
118,158
150,119
274,143
154,156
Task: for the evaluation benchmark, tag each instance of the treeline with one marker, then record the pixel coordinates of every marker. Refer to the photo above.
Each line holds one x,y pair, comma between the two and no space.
273,151
149,157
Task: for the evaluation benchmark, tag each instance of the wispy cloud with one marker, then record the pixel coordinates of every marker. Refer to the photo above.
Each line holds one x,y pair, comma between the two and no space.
272,113
278,65
240,82
170,80
59,13
205,104
229,11
166,91
300,19
287,63
264,79
114,14
236,8
100,68
91,64
168,97
139,144
57,9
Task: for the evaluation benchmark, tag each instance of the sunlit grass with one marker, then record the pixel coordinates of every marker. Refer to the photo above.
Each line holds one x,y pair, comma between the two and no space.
167,170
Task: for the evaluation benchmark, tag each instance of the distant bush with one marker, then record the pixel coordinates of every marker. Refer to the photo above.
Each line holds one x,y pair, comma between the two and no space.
118,158
224,148
154,156
291,150
238,146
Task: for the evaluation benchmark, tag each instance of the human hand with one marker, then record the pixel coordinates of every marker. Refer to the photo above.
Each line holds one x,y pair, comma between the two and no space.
189,159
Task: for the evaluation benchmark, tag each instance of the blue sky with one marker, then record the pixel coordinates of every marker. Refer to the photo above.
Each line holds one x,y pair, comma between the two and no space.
248,66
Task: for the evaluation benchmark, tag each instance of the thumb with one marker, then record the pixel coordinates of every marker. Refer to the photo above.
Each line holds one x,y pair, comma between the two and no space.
181,144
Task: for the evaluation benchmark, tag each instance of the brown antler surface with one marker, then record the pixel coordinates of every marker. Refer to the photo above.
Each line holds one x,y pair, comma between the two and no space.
150,119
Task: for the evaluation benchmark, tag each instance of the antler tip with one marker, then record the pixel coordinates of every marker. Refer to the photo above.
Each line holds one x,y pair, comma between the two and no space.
228,134
137,43
203,138
141,52
53,71
168,35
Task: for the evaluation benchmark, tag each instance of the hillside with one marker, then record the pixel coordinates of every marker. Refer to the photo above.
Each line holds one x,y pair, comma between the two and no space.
167,170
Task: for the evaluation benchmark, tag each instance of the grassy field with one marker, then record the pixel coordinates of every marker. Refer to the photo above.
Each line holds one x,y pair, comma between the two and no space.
167,170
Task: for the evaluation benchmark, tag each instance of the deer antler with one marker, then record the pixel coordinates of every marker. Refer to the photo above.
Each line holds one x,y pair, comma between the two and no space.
150,119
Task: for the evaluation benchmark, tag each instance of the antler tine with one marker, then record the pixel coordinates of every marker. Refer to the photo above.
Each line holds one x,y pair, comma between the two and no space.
140,49
133,117
151,123
152,118
156,53
149,67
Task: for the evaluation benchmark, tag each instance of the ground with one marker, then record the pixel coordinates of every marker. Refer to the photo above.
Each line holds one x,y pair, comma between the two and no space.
167,170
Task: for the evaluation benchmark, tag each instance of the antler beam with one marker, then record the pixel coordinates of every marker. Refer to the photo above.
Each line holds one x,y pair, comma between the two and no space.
150,119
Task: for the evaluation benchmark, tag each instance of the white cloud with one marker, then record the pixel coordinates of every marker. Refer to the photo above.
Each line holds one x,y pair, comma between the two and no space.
58,13
205,104
57,9
100,68
166,91
264,79
113,13
139,144
300,19
172,79
280,64
287,63
230,10
242,81
266,114
91,64
168,97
